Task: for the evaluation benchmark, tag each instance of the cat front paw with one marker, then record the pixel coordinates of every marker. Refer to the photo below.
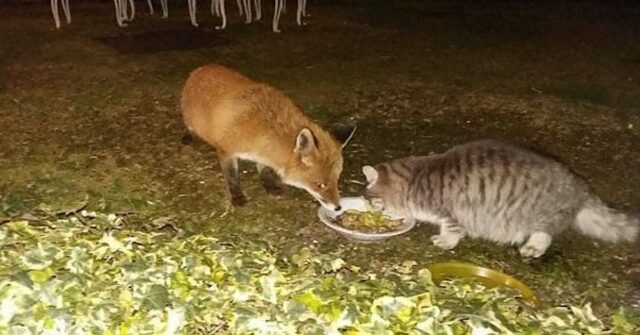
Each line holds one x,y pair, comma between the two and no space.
531,251
377,204
446,242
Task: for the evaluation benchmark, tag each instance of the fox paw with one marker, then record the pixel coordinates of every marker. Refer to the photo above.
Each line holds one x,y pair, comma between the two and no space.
446,242
238,200
274,191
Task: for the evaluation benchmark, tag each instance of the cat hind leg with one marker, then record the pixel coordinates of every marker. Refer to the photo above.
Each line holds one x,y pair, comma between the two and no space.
536,245
544,229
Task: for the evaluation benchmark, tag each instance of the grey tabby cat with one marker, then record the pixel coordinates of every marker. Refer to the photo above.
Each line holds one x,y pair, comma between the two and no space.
496,191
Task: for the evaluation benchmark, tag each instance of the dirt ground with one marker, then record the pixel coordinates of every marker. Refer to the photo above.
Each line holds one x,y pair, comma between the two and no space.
90,110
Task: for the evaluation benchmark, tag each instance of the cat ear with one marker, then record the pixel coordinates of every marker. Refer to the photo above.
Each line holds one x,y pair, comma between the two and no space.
371,174
305,146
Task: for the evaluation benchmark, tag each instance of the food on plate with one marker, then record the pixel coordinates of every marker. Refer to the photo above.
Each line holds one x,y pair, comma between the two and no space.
369,222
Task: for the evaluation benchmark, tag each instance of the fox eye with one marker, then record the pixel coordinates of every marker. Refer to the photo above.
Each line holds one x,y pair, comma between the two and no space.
322,185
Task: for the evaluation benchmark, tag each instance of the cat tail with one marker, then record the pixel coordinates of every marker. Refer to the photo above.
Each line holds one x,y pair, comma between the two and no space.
598,220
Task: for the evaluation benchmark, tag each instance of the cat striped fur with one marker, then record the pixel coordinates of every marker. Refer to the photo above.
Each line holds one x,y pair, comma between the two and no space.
496,191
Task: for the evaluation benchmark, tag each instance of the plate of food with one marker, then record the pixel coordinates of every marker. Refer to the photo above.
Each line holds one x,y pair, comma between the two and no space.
360,222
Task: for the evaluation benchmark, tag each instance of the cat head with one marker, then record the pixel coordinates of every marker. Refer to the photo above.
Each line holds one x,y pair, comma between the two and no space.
383,188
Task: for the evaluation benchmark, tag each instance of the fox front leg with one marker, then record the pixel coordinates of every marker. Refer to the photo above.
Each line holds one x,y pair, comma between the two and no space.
270,180
229,166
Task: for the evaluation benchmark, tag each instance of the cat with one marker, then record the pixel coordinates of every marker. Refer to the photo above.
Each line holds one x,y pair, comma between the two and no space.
497,191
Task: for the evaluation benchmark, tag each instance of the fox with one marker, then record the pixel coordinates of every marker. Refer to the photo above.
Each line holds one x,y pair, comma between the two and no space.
243,119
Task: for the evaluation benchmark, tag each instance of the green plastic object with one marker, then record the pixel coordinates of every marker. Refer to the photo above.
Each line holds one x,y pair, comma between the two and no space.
488,277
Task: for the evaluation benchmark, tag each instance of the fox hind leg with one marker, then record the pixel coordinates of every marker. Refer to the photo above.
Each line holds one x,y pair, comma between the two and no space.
270,180
229,166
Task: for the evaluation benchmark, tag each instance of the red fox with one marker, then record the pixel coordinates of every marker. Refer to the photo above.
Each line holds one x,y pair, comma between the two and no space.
244,119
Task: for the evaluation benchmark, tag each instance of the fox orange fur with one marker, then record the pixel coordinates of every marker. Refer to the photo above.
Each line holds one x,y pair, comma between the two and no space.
244,119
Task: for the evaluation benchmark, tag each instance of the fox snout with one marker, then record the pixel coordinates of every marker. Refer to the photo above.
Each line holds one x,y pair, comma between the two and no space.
330,205
330,199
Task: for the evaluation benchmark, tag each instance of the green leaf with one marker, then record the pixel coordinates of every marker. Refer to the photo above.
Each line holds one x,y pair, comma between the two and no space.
41,276
337,264
156,297
310,300
22,228
621,325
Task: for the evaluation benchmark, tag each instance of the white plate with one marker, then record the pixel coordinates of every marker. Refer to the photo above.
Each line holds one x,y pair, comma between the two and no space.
328,217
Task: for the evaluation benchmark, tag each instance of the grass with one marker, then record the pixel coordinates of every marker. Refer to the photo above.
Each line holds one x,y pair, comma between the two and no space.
77,118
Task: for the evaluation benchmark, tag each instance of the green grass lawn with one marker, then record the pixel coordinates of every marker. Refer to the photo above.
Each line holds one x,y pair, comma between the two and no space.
78,119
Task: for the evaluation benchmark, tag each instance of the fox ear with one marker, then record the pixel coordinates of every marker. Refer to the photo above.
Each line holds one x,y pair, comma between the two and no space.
343,133
371,174
305,145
